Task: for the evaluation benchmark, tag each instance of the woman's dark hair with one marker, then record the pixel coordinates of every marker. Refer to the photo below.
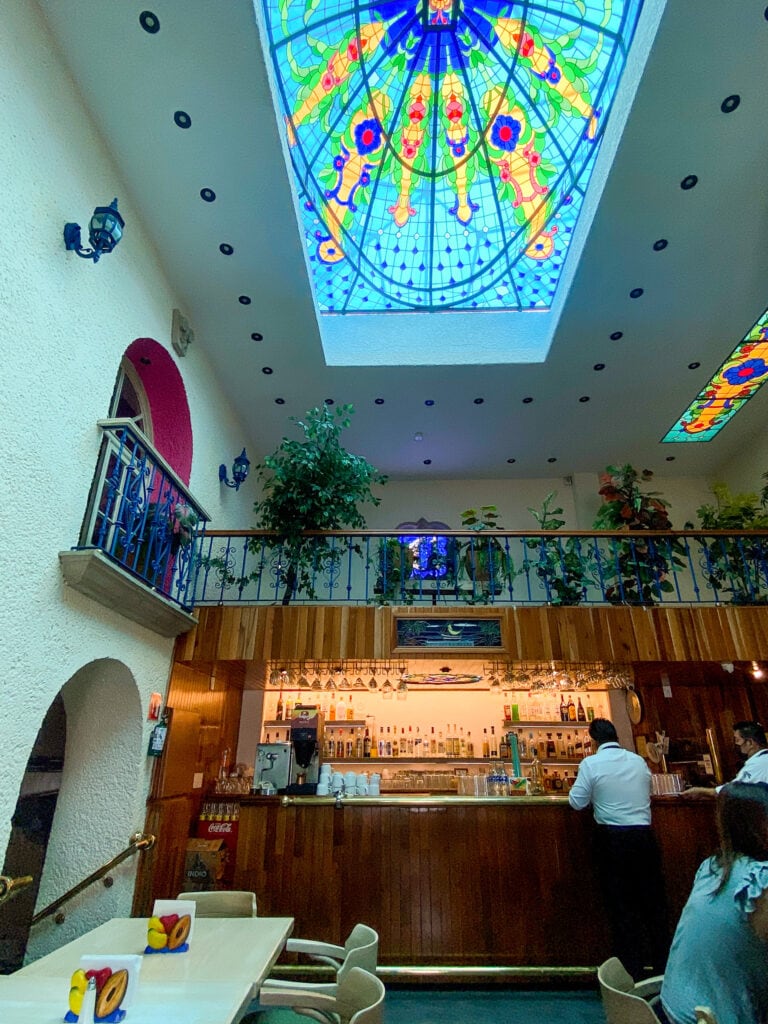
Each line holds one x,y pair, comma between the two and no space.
742,824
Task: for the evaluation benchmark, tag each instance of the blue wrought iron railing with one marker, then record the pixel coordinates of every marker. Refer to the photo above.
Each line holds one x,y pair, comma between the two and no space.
141,515
555,568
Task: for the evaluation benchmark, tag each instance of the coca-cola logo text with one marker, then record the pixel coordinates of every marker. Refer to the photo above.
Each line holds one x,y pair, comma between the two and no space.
222,826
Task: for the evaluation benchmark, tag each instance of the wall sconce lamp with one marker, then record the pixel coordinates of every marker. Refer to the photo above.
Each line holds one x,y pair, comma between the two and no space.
104,232
240,468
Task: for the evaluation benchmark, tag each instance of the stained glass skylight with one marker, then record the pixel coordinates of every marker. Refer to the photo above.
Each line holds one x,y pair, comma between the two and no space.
740,377
442,148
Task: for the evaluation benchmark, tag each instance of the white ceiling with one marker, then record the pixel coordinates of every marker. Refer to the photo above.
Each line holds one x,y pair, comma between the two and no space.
701,294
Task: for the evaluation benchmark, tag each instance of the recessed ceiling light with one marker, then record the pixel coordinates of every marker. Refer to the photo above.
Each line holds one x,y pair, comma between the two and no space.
693,366
429,401
599,366
730,103
551,459
149,22
257,337
527,400
479,401
427,462
226,249
329,401
584,398
267,370
279,401
244,300
378,401
182,119
689,181
636,293
670,458
659,244
510,461
616,335
207,194
418,436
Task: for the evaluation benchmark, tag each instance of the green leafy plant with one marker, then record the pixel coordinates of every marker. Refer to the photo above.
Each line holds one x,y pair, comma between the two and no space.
313,484
736,565
636,571
484,561
560,564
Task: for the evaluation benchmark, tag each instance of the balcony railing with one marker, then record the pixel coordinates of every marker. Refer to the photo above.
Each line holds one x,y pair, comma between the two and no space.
141,515
554,568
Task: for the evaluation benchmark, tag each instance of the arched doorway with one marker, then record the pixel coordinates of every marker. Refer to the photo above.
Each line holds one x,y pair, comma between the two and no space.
96,723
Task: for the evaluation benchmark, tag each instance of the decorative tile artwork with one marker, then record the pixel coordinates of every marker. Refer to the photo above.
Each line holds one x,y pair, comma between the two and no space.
738,379
442,148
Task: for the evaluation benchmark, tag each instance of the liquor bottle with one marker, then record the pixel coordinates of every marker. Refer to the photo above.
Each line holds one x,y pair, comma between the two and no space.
494,750
332,709
403,743
341,709
389,743
350,745
418,750
557,782
440,745
288,709
590,713
350,710
456,741
551,754
581,714
561,748
570,750
587,745
486,747
504,748
410,741
360,744
532,748
462,743
330,747
448,741
563,709
280,708
470,745
367,743
433,743
522,747
535,778
571,710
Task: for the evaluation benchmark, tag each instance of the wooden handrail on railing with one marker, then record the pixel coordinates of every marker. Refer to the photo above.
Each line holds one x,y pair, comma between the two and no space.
9,887
138,842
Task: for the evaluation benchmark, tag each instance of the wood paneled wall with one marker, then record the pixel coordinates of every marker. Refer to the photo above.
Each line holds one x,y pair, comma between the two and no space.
277,633
483,885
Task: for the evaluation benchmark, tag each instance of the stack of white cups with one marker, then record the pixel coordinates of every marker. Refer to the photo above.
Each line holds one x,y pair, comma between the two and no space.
324,782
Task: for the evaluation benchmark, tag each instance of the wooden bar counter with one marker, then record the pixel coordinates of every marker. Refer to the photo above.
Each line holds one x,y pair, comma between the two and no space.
446,880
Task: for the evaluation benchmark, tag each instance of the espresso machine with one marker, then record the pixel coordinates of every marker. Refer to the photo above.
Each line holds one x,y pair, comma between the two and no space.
306,743
273,766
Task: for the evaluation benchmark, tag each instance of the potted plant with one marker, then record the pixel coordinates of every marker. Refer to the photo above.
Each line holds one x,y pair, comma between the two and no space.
313,484
560,566
484,560
736,565
635,570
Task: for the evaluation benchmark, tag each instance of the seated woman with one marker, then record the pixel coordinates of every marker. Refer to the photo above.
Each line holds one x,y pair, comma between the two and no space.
719,955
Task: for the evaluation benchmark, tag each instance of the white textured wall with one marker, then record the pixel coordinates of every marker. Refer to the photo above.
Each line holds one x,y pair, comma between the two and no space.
64,325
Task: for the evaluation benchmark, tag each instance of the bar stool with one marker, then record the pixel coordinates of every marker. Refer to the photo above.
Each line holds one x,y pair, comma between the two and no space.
227,903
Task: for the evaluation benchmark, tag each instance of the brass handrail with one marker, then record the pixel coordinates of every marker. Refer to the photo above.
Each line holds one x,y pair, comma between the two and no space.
10,886
138,842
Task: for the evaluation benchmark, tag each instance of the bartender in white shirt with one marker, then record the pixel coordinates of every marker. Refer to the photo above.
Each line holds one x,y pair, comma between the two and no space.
617,785
751,743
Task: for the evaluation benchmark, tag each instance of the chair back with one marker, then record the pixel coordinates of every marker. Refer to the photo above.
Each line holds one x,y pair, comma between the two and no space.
231,903
362,953
620,1004
360,998
704,1015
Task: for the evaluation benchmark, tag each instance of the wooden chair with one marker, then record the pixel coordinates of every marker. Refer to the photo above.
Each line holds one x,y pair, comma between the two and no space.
227,903
704,1015
625,1002
358,998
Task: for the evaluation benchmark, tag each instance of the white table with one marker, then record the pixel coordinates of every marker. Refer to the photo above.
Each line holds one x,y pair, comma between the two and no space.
212,983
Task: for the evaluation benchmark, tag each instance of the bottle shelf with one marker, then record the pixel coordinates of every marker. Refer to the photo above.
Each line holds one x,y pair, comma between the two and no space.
448,761
509,723
285,723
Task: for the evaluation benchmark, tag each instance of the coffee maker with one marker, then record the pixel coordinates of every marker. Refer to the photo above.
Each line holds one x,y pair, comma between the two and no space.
306,742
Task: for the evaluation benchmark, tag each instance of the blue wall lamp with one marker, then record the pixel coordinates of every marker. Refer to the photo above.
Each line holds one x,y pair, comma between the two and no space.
104,232
240,468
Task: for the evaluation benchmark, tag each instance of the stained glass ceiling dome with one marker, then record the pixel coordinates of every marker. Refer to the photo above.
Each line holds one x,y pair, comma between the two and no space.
442,149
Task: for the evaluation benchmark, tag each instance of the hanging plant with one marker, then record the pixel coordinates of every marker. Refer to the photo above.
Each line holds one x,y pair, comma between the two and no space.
559,563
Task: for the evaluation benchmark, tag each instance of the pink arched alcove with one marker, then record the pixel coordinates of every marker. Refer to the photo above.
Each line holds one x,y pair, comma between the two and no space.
171,423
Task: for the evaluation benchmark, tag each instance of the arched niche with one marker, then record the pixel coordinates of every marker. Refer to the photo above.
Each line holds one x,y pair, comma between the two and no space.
167,396
100,801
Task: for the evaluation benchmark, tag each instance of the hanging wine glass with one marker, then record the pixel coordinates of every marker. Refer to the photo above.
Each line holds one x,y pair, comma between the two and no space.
316,684
359,684
330,685
402,690
387,690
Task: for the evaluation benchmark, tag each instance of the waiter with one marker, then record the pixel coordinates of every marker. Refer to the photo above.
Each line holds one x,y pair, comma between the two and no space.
751,744
617,784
